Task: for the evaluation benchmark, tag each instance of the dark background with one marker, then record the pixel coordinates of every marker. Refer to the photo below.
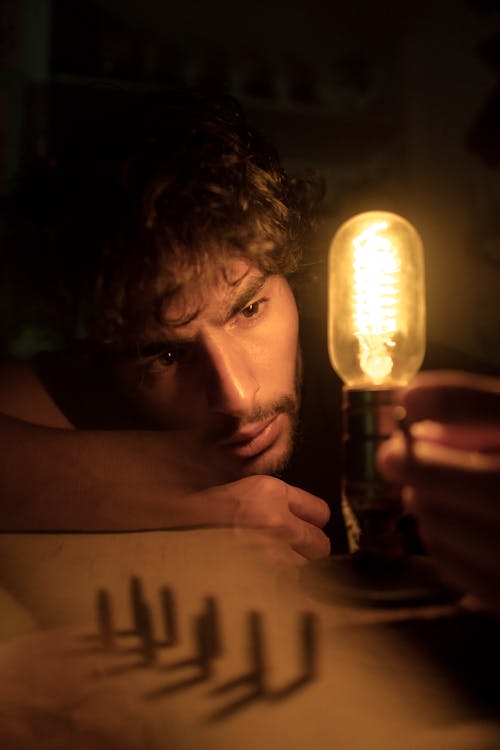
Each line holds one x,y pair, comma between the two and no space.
395,102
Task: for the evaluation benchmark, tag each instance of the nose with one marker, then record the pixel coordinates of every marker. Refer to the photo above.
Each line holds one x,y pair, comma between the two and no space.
231,385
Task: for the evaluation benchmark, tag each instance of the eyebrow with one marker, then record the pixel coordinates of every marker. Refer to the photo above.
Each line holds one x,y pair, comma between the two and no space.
245,295
241,299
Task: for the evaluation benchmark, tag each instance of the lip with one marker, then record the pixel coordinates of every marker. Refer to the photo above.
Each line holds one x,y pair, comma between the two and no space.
249,443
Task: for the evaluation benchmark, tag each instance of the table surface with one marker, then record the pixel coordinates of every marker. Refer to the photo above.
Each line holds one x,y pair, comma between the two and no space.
283,666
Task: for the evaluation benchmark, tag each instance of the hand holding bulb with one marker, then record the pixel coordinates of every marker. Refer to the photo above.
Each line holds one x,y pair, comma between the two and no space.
452,477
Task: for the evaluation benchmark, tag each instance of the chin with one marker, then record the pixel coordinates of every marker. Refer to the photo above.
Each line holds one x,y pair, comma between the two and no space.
273,461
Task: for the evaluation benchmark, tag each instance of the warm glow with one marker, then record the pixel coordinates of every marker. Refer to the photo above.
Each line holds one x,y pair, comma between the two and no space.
375,299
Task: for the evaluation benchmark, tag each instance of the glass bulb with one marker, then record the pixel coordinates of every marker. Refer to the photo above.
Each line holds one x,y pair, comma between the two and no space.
376,301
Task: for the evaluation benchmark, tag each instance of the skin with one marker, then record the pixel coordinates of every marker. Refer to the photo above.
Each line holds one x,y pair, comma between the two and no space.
224,366
214,399
450,471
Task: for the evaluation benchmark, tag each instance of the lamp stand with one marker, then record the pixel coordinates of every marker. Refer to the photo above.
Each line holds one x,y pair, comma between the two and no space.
380,572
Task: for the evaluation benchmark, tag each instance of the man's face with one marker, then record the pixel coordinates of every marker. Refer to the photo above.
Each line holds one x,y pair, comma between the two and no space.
225,365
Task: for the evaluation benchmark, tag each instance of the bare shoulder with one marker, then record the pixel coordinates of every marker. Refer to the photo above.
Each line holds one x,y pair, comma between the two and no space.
23,395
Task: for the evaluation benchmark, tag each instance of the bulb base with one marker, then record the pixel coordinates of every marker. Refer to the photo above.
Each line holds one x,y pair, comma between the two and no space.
381,571
360,582
369,418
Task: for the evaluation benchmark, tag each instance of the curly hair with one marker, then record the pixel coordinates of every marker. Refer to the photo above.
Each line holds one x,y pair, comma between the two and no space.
153,193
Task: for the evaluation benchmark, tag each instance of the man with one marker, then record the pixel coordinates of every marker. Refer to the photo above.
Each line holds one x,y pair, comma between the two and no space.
182,229
183,403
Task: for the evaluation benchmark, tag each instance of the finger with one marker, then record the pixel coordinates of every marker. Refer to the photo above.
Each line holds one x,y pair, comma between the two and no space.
307,507
485,438
462,475
302,538
309,541
285,512
453,397
267,547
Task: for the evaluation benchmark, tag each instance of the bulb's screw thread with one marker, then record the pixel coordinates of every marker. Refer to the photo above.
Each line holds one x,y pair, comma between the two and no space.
369,418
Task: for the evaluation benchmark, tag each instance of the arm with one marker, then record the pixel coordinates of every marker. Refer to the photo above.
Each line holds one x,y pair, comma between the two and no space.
450,470
54,479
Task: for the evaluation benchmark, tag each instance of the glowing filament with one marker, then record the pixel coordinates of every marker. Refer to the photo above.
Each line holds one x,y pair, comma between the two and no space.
376,267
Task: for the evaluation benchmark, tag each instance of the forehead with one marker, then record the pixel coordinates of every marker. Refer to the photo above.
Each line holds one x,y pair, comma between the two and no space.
212,291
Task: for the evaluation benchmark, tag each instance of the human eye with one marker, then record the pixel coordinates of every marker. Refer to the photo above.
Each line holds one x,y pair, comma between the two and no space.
254,309
168,358
170,355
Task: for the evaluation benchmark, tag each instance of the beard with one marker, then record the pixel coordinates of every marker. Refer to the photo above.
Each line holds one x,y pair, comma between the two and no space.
274,460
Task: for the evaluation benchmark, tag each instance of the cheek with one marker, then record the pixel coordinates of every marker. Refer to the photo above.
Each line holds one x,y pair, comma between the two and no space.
282,341
153,396
289,322
286,345
159,403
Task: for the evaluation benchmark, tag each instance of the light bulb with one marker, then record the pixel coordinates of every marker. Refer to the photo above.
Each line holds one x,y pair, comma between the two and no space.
376,303
376,342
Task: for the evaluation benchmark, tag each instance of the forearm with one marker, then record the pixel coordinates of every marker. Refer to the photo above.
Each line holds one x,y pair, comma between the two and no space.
52,479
